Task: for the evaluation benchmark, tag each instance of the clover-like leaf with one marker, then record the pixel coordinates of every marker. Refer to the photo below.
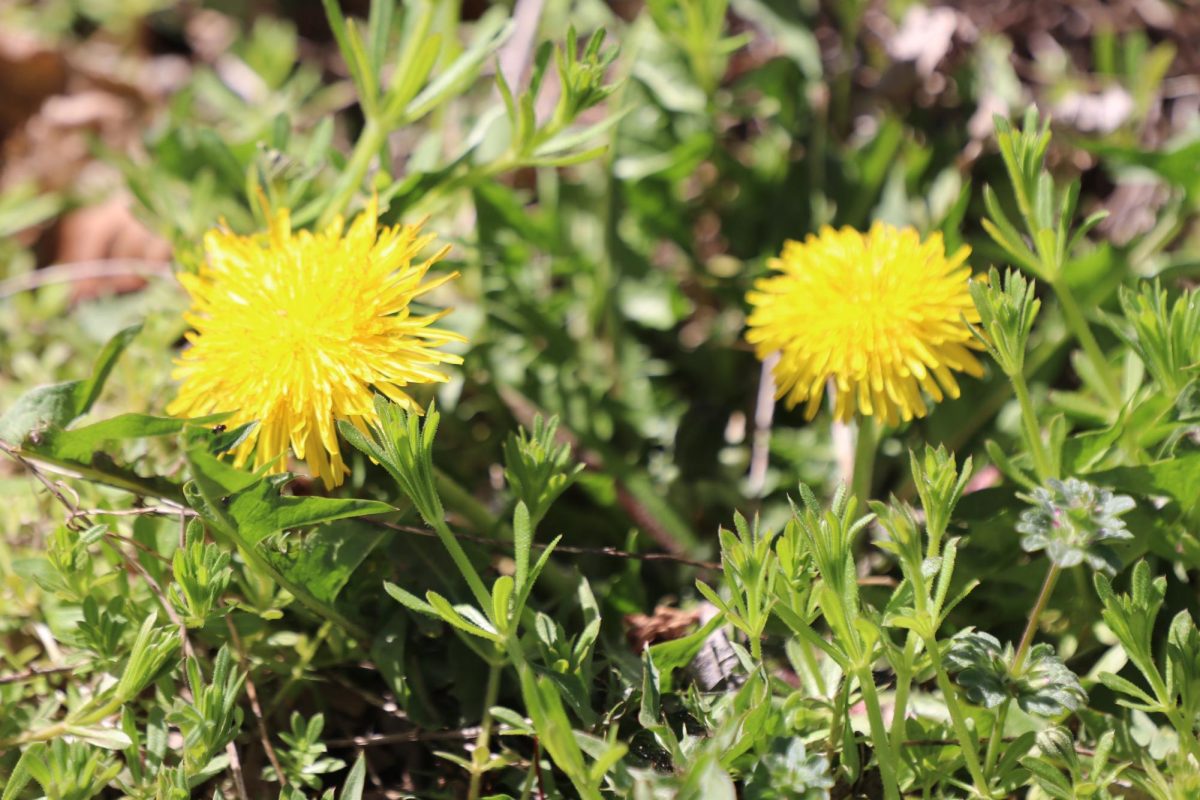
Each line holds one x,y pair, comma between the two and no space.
1046,686
1042,685
982,664
1073,521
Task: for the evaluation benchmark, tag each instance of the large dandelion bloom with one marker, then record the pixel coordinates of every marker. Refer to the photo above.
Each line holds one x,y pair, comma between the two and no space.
880,315
295,330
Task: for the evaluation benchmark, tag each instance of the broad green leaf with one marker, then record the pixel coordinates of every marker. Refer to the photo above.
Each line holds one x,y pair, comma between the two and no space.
1177,478
323,560
261,510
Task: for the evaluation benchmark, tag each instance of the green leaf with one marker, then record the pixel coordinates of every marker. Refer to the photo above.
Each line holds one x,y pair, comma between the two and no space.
57,405
650,711
453,616
677,653
522,544
107,738
22,773
502,592
1177,478
492,31
352,789
261,511
80,444
408,599
323,560
1127,687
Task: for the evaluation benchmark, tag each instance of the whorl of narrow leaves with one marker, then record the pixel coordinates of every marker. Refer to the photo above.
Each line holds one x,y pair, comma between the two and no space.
1165,336
404,446
1006,313
940,485
538,468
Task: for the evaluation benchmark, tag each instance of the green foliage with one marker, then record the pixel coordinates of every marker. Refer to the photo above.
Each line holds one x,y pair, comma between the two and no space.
1007,311
303,758
537,468
173,625
1072,521
986,671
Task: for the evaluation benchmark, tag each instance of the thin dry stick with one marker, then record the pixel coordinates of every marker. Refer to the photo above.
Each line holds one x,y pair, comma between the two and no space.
147,511
515,56
252,694
35,672
610,552
764,415
235,766
408,737
81,271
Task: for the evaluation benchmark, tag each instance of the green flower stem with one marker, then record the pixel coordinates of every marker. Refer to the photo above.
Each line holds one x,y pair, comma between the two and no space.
490,694
370,140
866,440
482,596
455,496
756,647
1186,731
904,673
967,741
1031,626
993,748
810,661
1033,435
879,735
1091,348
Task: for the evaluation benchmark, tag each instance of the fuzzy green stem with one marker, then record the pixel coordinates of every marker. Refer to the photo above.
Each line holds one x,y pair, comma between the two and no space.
970,747
810,661
490,694
463,563
879,735
1091,348
1033,435
903,687
1034,615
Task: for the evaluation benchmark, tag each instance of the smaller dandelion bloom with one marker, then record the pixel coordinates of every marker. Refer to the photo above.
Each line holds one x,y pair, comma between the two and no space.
879,315
295,330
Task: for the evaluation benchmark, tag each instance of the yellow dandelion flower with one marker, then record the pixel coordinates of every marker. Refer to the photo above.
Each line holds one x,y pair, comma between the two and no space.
295,330
878,315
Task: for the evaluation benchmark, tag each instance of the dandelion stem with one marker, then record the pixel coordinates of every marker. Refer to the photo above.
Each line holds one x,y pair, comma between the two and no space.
865,441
